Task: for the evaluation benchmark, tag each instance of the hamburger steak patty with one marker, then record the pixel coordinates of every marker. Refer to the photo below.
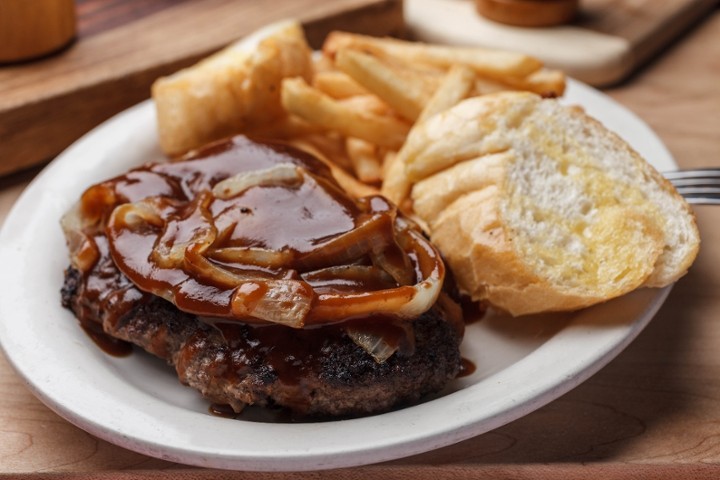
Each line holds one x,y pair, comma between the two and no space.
315,372
250,270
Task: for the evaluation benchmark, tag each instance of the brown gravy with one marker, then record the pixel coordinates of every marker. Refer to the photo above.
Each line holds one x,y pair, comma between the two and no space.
467,368
297,219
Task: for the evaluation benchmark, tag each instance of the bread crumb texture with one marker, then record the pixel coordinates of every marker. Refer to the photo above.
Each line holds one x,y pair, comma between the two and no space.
538,207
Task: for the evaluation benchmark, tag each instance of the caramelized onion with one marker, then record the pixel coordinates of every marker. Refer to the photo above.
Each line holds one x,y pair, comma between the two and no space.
83,251
252,256
270,239
206,271
277,174
377,345
382,339
373,234
349,278
405,301
286,302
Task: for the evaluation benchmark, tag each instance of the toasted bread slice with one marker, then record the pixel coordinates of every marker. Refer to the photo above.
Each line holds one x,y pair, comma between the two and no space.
231,91
538,207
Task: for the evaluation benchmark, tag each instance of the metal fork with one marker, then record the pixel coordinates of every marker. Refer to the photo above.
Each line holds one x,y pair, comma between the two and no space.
699,186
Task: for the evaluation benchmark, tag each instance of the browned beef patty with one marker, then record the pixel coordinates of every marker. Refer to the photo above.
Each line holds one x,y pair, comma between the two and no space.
316,372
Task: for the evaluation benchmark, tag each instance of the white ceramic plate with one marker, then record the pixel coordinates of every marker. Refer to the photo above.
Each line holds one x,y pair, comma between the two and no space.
137,402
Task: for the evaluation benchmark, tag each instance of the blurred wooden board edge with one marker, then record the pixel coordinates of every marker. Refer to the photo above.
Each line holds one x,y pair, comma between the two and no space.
33,130
610,39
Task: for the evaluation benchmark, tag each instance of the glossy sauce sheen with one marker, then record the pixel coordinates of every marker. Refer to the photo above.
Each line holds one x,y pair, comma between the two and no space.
297,218
467,368
104,297
106,294
172,235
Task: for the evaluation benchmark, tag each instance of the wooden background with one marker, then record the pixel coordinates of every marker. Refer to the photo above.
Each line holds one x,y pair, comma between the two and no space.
123,46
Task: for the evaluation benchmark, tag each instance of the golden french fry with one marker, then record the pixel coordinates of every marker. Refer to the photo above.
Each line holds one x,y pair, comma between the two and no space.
317,108
287,127
351,185
365,160
367,103
322,64
337,84
330,144
396,184
455,86
497,64
405,94
546,82
483,86
230,91
388,156
335,41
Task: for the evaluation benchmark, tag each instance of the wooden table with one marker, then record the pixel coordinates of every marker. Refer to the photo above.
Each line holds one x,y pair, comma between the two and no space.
654,411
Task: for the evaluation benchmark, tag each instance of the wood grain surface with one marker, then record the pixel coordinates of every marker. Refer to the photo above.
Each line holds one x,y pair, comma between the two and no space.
124,46
653,412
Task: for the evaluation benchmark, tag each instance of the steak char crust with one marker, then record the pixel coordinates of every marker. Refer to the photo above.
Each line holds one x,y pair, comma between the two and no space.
317,370
313,372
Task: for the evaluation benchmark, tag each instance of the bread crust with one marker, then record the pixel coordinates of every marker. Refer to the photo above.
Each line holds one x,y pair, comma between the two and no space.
640,231
480,249
662,275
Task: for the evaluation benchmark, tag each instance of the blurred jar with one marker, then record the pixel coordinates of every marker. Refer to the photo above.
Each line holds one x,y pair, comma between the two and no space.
528,13
33,28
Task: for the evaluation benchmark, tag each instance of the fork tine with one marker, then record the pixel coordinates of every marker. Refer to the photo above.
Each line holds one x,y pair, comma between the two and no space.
699,187
703,200
694,191
703,173
695,182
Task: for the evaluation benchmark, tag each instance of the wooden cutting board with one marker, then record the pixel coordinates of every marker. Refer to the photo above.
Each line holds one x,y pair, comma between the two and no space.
123,46
609,39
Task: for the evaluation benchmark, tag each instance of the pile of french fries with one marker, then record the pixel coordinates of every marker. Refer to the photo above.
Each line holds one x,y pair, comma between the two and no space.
367,94
353,105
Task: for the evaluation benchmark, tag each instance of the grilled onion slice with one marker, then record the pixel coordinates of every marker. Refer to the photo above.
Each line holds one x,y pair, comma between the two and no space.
261,242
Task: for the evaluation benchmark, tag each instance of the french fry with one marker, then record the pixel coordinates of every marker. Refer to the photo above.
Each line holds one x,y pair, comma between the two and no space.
546,82
496,64
483,86
351,185
367,103
230,91
290,126
365,160
317,108
338,85
456,85
388,156
331,145
396,185
322,64
337,40
405,94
